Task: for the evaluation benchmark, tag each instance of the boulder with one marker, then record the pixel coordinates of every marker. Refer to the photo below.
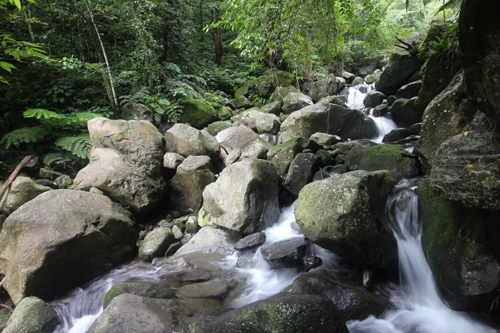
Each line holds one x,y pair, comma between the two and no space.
213,288
250,242
350,124
324,88
465,167
186,140
242,103
404,113
244,198
348,77
306,121
398,73
156,243
300,173
273,107
198,113
409,90
396,135
125,163
281,313
22,190
62,239
480,48
164,288
366,70
282,155
136,111
373,98
357,81
324,139
186,187
241,142
280,93
445,117
214,128
260,122
355,155
389,157
461,246
342,214
172,160
285,253
242,91
381,110
372,78
294,101
263,85
32,315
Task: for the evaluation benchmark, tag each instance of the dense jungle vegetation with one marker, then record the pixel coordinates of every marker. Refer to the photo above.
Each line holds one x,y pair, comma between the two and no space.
66,61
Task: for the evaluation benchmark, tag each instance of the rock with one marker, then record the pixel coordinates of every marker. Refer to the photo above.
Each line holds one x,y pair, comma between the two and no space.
348,77
389,157
186,187
250,242
260,122
282,155
191,225
156,243
177,232
381,110
164,288
366,70
197,113
465,166
357,81
396,135
273,107
354,156
186,140
342,214
243,103
244,198
399,71
324,158
62,239
137,111
324,139
373,98
193,274
480,49
372,78
214,288
285,253
306,121
461,246
48,174
172,160
353,303
22,190
404,112
64,181
294,101
32,315
324,88
214,128
280,93
300,173
243,142
409,90
445,117
329,171
125,163
415,129
350,124
242,91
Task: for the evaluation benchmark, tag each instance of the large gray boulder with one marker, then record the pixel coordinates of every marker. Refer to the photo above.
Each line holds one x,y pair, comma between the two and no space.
294,101
405,113
306,121
282,313
244,198
465,167
350,124
260,122
22,190
446,116
323,88
399,72
186,140
282,155
32,315
342,214
125,163
62,239
300,173
241,142
156,243
186,187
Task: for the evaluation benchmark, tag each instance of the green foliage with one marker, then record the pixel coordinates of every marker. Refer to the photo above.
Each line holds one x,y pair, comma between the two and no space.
79,145
444,47
24,135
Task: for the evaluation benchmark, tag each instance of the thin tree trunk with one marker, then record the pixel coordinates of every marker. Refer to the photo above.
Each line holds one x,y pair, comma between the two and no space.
218,42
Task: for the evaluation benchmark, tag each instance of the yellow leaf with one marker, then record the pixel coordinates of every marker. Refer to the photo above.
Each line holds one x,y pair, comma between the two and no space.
470,165
466,133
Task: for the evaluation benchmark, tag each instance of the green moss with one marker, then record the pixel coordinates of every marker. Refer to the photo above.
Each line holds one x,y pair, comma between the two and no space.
388,157
112,293
242,91
198,113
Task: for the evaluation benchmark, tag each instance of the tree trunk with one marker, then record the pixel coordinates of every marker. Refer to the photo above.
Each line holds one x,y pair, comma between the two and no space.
218,42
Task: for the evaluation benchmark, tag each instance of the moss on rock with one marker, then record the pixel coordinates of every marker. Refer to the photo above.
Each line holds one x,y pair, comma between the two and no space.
198,113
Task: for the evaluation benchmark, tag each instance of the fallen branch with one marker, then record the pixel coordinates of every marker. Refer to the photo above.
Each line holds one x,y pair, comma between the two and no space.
14,174
6,307
1,282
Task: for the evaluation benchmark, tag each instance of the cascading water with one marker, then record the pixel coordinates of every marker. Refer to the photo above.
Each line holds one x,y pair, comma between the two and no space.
418,305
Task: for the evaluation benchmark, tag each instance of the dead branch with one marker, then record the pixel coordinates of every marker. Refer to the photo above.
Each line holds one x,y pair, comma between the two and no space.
14,174
6,307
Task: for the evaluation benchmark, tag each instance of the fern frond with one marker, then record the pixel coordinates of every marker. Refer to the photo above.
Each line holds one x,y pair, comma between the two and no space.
42,113
52,160
79,145
25,134
78,117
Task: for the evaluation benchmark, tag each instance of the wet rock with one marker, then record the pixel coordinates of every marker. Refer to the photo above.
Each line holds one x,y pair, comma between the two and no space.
372,78
244,198
355,155
409,90
294,101
404,112
389,157
250,242
281,313
343,214
260,122
306,122
156,243
193,274
300,173
350,124
214,289
186,140
285,253
381,110
32,315
155,289
373,98
241,142
22,190
125,163
396,135
399,71
357,81
348,77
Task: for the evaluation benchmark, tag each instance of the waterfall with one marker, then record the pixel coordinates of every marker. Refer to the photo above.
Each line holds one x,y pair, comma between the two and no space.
418,307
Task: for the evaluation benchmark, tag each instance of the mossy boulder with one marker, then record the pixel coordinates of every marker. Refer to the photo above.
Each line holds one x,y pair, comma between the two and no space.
294,101
282,155
284,78
389,157
32,315
242,91
398,73
281,92
404,112
301,171
198,113
462,248
373,77
214,128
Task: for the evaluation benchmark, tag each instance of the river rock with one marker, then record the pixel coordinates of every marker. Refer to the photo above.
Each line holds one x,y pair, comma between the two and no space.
125,163
136,111
62,239
32,315
285,253
198,113
241,142
172,160
409,90
280,93
325,140
301,171
213,288
244,198
186,140
350,124
396,135
306,121
342,214
348,77
165,288
260,122
389,157
404,113
352,302
323,88
480,47
372,78
355,155
282,313
250,242
461,246
156,243
186,187
214,128
294,101
22,190
282,155
373,98
273,107
466,166
446,116
399,71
